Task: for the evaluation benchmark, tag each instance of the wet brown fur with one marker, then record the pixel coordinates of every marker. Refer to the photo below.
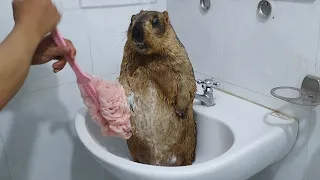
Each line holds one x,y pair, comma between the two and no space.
161,75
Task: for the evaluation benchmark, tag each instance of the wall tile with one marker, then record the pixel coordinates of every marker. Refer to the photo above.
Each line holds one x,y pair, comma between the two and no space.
38,134
262,55
73,26
108,35
4,170
64,5
161,5
245,51
5,18
111,77
313,159
203,39
103,3
70,4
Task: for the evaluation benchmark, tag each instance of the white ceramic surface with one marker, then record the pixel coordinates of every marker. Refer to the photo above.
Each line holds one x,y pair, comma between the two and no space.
257,140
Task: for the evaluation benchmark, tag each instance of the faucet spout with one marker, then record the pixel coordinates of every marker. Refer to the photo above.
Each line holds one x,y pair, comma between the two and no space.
207,97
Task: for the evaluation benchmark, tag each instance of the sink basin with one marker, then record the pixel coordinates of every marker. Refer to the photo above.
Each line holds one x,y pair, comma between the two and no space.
220,140
231,133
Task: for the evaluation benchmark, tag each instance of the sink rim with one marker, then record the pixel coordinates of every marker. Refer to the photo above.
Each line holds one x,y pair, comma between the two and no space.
234,153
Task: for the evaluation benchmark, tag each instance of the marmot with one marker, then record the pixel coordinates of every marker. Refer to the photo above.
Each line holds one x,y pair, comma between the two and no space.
157,73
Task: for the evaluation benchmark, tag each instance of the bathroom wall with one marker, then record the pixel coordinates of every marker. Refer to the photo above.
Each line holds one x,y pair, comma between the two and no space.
38,140
247,55
250,56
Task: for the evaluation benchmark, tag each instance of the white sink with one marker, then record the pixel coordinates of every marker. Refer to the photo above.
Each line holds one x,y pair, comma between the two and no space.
236,140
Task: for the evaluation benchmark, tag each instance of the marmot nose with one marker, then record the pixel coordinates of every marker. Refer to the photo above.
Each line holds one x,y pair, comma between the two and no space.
137,33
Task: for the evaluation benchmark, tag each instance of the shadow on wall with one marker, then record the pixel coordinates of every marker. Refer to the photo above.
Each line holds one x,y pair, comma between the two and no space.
39,139
312,167
306,127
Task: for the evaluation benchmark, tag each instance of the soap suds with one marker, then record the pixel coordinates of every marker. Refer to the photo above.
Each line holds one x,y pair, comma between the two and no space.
172,159
151,126
131,101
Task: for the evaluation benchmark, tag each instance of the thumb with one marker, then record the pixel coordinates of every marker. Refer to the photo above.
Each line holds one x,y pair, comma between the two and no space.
15,6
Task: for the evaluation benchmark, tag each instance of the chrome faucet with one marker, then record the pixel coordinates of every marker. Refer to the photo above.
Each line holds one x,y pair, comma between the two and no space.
207,97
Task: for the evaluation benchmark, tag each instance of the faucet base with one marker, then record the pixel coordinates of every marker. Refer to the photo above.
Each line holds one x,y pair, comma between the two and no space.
208,105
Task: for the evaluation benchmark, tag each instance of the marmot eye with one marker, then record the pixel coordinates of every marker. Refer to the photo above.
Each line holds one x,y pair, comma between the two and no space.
156,22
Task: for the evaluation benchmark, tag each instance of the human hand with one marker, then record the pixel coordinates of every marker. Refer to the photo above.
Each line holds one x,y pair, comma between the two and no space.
47,51
36,17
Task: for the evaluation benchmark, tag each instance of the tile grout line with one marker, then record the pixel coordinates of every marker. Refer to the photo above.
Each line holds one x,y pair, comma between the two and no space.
46,88
89,39
306,153
6,157
317,54
60,85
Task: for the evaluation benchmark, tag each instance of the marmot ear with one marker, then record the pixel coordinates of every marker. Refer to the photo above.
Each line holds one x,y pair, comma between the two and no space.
166,16
132,17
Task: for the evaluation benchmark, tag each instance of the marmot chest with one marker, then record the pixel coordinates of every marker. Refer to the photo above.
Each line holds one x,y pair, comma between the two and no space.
152,117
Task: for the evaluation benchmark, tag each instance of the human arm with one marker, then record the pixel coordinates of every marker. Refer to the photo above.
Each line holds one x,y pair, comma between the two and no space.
16,53
33,19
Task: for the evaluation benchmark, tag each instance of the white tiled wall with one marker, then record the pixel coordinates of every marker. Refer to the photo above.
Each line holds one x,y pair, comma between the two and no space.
247,55
38,140
104,3
250,57
4,171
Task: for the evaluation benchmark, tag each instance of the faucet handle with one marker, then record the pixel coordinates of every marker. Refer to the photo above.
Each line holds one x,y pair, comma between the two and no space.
208,83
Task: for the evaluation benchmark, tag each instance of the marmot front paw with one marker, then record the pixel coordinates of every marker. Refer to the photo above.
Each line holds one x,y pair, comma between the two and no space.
181,113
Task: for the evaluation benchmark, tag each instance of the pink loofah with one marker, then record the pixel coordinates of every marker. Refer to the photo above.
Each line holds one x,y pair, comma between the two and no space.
106,101
113,115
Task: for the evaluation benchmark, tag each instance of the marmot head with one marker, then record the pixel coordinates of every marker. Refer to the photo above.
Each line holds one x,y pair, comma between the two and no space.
149,32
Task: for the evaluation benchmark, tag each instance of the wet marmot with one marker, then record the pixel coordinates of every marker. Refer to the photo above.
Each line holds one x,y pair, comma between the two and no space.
157,73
